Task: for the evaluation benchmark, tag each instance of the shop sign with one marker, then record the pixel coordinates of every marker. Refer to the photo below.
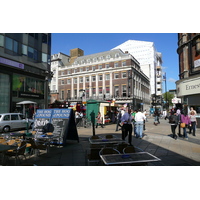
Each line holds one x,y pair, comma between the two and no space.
197,63
11,63
189,87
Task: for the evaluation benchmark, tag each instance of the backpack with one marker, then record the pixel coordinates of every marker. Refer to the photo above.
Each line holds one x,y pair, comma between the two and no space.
172,119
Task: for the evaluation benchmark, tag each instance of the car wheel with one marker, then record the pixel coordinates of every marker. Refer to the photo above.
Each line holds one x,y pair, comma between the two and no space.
6,129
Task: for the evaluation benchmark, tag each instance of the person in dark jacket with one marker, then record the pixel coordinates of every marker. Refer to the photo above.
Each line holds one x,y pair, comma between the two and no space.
173,120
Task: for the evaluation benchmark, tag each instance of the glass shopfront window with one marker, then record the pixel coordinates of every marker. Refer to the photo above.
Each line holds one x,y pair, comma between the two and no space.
27,84
5,93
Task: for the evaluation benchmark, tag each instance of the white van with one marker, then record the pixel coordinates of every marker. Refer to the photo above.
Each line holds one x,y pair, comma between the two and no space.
13,121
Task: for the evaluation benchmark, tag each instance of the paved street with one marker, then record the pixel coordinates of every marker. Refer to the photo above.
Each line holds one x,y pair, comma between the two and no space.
157,141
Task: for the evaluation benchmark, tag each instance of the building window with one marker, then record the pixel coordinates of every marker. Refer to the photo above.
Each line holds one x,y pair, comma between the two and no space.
107,66
1,41
93,92
62,94
62,82
75,93
100,77
124,63
81,69
108,57
101,58
15,46
75,80
87,79
93,68
116,75
117,55
107,77
107,91
116,64
100,91
124,90
123,74
116,91
68,81
81,79
9,43
87,69
44,38
93,78
94,59
69,72
24,50
100,67
44,57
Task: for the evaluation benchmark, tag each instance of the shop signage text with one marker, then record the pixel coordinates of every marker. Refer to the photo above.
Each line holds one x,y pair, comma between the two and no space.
11,63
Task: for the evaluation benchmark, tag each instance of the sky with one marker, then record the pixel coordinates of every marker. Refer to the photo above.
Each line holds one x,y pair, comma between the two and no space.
90,43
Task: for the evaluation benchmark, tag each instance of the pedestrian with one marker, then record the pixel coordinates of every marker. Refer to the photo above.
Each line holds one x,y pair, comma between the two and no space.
77,117
99,120
178,113
186,120
139,120
127,128
156,117
119,115
173,120
193,120
145,113
133,122
192,109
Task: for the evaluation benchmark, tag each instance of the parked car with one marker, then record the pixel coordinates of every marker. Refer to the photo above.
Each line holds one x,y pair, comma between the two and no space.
13,121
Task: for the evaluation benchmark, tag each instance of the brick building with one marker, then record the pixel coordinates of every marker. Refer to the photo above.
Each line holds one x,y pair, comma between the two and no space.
112,76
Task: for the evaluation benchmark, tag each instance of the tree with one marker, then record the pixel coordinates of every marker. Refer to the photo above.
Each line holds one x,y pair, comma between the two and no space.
168,98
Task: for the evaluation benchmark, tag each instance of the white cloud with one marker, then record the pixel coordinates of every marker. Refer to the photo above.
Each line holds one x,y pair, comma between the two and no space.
172,80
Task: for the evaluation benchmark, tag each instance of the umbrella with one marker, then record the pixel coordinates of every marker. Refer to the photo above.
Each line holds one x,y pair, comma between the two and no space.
26,102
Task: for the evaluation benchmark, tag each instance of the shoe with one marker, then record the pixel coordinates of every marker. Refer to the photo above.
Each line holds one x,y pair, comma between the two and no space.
175,137
194,135
140,137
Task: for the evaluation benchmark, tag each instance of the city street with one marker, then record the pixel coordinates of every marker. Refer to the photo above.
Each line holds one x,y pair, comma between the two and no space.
157,141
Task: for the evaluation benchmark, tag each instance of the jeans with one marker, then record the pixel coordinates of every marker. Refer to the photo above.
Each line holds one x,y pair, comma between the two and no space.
193,127
185,133
134,128
139,128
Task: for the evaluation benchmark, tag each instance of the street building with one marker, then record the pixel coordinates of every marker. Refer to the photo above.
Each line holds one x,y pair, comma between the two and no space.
114,76
24,69
188,85
150,62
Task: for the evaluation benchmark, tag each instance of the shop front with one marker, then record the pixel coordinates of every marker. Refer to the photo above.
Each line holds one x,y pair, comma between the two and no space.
189,92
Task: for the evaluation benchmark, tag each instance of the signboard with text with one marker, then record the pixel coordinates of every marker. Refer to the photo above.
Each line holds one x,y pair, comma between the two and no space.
62,120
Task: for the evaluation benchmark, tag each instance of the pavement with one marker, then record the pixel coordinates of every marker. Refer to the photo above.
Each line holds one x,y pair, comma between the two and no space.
157,140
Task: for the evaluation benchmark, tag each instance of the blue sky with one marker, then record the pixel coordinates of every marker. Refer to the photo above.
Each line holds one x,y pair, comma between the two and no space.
166,43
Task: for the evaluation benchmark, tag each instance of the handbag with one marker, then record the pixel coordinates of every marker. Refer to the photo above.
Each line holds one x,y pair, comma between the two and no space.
182,125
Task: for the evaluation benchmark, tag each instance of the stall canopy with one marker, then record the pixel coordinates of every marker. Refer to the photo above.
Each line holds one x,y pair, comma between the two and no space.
25,103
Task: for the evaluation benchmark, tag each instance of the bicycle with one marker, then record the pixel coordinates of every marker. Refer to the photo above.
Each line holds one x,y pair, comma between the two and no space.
87,123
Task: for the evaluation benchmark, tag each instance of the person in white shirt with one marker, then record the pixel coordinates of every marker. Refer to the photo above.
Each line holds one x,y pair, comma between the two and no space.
127,128
139,121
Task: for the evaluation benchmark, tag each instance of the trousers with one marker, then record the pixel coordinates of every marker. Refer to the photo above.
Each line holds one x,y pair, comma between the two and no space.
127,130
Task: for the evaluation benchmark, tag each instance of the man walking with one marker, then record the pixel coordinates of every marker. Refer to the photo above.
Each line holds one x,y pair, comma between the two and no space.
139,120
127,128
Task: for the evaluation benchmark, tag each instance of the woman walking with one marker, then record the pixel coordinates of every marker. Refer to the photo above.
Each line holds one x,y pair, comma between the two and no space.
99,121
173,120
193,120
186,120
